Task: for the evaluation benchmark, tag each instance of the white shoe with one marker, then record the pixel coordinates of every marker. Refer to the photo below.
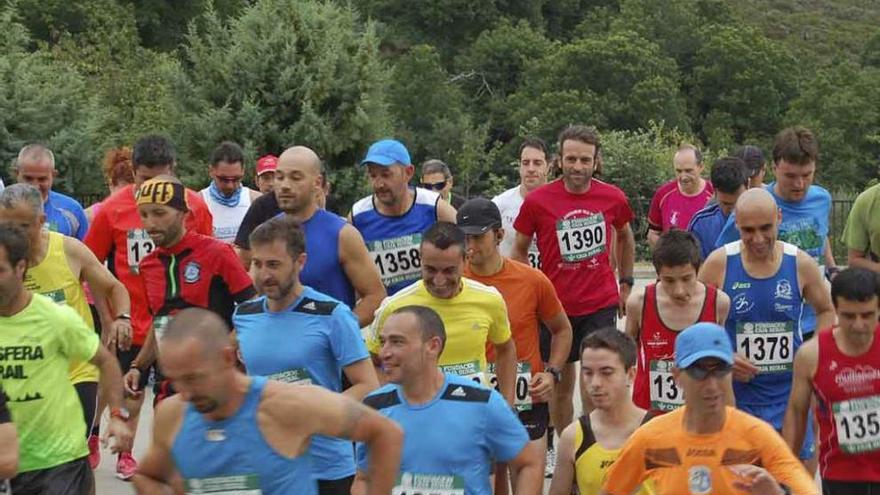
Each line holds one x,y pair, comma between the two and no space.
550,464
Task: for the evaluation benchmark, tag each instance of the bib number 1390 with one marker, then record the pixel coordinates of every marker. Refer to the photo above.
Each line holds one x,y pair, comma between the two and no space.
581,238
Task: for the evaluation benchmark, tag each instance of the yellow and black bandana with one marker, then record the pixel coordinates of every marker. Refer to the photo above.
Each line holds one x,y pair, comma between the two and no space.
162,192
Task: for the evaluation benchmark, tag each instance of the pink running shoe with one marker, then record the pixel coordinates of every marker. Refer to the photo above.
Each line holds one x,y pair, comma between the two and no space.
126,466
94,451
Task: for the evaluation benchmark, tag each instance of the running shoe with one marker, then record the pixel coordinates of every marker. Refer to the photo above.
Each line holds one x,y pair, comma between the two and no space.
94,451
550,464
126,466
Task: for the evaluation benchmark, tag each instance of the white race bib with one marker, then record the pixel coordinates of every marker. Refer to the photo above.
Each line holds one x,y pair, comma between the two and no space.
665,393
138,245
398,259
248,484
428,484
160,324
581,238
534,255
298,376
858,424
768,345
522,400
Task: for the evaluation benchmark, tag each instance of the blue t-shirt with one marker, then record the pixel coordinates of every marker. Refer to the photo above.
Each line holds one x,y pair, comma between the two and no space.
706,225
309,342
804,224
452,441
65,215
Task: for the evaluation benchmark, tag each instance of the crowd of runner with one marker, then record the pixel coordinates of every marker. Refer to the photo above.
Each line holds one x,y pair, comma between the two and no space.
425,344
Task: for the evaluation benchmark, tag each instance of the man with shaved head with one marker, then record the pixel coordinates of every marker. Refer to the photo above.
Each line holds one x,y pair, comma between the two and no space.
338,263
35,165
226,432
768,282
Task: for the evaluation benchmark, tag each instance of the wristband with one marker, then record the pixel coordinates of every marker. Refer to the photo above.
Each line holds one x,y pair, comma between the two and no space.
124,316
120,413
630,281
557,374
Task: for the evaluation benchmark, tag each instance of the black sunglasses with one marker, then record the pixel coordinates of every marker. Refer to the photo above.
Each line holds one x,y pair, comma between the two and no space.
700,373
434,186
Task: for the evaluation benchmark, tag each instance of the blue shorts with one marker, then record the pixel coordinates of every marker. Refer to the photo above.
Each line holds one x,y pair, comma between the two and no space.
774,414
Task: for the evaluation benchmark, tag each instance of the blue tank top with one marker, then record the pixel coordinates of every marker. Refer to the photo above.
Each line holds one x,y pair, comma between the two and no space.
231,455
394,242
763,325
323,271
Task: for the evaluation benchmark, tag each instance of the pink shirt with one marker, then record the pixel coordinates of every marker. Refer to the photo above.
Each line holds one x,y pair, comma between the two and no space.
670,208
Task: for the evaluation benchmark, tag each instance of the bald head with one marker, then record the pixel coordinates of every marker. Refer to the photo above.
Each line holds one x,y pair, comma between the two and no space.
204,327
302,158
756,200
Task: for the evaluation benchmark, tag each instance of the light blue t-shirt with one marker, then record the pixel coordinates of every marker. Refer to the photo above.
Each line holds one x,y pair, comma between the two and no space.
451,442
65,215
309,342
804,224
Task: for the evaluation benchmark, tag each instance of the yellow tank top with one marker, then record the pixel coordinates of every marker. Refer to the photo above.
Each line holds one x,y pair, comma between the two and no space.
52,277
591,460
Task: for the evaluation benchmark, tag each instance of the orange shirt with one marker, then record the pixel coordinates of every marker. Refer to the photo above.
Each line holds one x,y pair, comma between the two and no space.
679,462
530,298
117,230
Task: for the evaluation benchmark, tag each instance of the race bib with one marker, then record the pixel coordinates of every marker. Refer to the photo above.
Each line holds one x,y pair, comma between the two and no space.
397,259
470,370
298,376
858,424
522,400
665,393
534,256
581,238
768,345
138,245
428,484
160,324
248,484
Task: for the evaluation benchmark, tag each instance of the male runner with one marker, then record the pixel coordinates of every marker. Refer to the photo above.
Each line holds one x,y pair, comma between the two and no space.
706,446
657,313
393,219
229,433
574,220
533,170
805,207
186,269
265,173
756,165
862,232
531,300
841,366
675,202
453,428
39,340
9,441
118,237
226,197
35,165
473,314
730,180
295,334
588,446
57,267
437,177
768,282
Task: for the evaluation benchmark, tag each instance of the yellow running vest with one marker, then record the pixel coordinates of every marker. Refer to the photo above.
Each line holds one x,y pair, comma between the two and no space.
591,460
53,278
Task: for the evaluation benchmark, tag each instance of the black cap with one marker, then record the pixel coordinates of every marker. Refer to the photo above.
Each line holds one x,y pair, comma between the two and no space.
477,216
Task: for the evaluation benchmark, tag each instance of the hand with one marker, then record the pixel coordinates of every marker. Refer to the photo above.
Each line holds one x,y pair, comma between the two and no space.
541,388
743,369
120,335
132,381
118,430
625,289
756,480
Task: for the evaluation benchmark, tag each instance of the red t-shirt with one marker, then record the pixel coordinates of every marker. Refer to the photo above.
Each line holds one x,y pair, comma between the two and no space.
848,411
117,230
672,209
573,233
199,271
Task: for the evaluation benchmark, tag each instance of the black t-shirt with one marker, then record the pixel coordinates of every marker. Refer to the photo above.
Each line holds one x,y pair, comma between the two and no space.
4,411
262,209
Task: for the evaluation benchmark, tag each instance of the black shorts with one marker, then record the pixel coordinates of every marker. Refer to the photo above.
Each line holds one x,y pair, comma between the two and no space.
341,486
125,359
71,478
88,398
536,420
831,487
581,326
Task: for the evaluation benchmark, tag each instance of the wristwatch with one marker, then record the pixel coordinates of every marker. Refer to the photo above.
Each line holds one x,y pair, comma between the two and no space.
123,316
557,374
630,281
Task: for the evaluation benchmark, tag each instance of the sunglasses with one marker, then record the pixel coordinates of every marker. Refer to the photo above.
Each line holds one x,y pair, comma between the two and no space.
434,186
700,373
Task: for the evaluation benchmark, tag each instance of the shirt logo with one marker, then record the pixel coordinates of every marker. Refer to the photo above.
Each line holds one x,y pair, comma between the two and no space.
673,220
192,272
783,289
310,306
741,304
741,285
215,435
458,392
700,480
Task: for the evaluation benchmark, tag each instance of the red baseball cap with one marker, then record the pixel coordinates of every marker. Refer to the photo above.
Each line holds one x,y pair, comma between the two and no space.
267,163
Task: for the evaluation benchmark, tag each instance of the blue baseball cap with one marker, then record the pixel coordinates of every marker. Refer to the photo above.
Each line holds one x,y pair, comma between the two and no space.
387,152
702,340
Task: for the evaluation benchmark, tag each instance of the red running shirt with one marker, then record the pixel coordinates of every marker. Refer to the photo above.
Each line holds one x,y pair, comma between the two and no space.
574,235
117,230
654,387
672,209
848,411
